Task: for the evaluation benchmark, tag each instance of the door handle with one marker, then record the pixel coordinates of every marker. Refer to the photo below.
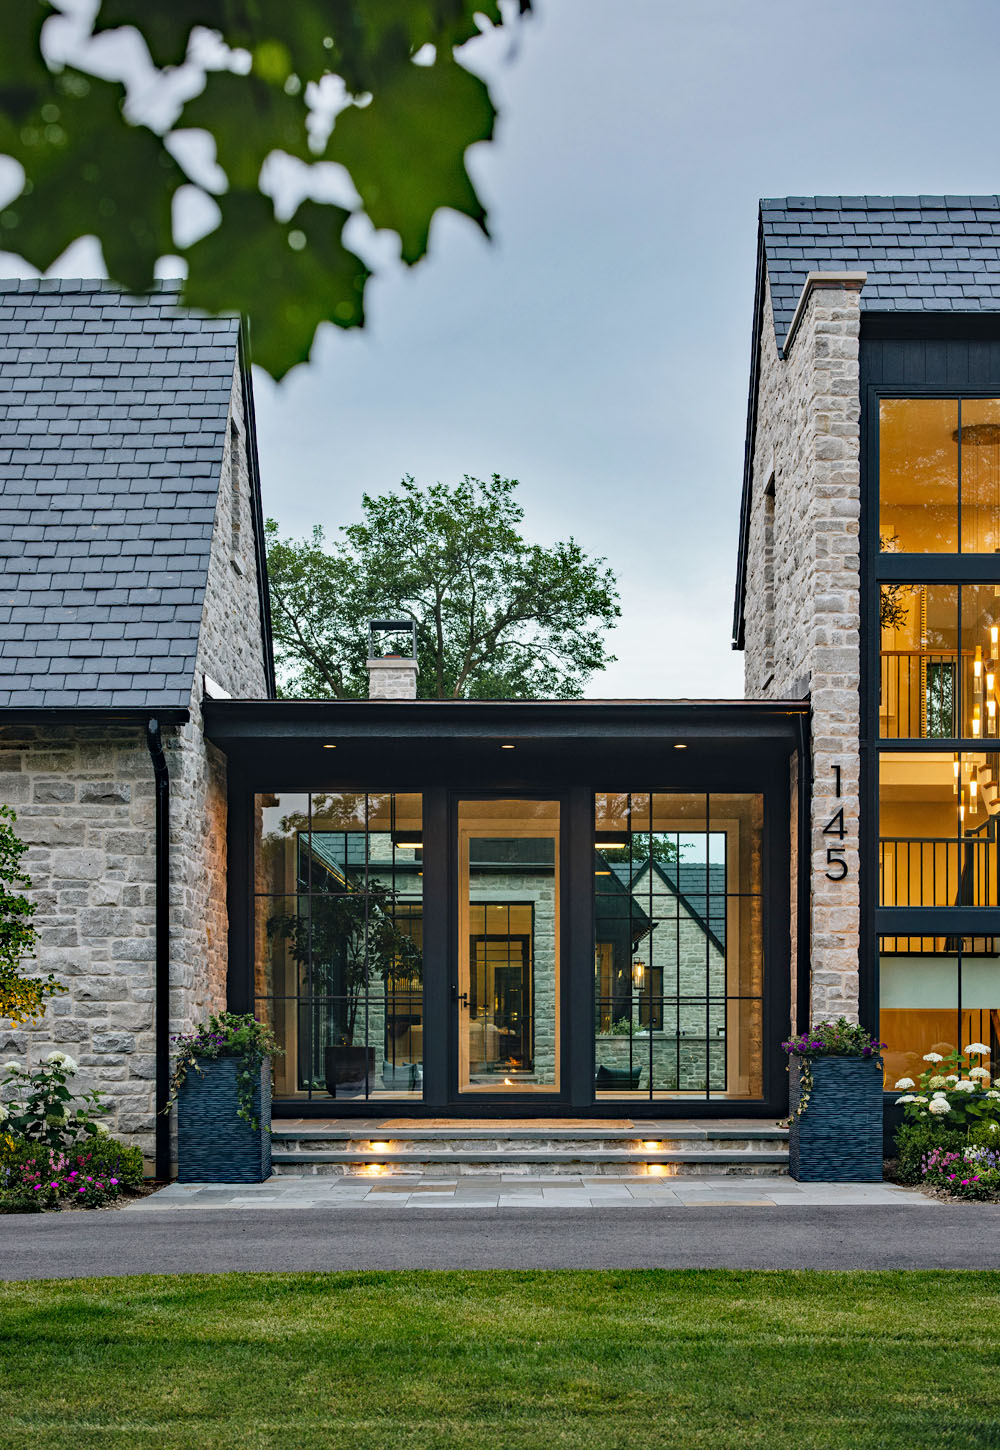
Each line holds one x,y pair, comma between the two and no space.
463,999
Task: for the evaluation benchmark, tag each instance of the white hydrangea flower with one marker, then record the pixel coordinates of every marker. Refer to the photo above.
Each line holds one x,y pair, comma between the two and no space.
933,1057
63,1060
906,1098
4,1115
938,1081
905,1082
938,1106
11,1066
979,1072
920,1098
965,1086
993,1093
952,1077
979,1048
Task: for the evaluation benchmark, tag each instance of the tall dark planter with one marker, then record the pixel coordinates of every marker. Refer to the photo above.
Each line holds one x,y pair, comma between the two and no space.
214,1144
838,1138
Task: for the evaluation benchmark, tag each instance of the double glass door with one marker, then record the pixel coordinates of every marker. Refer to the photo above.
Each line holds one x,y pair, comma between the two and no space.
508,979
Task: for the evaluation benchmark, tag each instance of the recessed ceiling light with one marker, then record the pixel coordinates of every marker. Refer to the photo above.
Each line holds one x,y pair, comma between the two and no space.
329,747
506,747
680,747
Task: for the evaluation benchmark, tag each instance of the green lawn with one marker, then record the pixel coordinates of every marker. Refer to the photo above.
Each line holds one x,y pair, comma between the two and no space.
503,1361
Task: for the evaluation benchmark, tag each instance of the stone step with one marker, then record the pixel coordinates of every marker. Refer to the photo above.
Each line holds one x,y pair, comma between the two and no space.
544,1136
619,1162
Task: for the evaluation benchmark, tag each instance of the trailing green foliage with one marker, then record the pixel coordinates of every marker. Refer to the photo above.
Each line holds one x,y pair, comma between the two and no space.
496,617
410,111
21,997
230,1034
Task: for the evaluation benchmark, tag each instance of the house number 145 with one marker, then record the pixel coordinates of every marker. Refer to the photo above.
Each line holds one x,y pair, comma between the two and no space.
837,867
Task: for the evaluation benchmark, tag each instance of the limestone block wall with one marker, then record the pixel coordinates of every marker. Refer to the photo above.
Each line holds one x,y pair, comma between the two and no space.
85,806
84,797
803,594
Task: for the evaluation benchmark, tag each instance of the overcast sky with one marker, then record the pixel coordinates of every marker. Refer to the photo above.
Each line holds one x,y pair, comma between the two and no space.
598,349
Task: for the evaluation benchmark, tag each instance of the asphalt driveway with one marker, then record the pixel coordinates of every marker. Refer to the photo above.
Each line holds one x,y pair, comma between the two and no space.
858,1236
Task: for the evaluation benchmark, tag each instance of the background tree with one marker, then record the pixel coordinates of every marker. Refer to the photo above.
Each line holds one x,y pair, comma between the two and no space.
272,74
21,997
496,617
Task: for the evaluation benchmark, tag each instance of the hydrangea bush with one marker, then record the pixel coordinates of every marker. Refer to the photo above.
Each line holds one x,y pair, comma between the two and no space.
41,1107
951,1111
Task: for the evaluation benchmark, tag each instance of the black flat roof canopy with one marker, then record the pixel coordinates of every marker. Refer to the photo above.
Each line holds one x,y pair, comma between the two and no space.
554,743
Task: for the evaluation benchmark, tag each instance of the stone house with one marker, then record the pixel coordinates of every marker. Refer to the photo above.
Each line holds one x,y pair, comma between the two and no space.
868,581
133,584
484,908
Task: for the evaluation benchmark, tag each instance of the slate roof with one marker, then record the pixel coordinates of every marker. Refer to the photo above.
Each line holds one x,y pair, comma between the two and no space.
701,890
113,415
921,253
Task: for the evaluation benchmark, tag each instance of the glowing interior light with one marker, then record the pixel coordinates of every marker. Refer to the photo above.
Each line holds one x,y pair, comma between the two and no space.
977,663
990,683
994,637
975,722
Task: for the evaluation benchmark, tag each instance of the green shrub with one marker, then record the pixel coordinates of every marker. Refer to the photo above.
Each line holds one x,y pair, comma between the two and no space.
90,1175
915,1140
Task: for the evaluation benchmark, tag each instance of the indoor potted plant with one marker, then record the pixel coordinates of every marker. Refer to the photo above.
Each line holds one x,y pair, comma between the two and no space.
222,1087
835,1103
350,942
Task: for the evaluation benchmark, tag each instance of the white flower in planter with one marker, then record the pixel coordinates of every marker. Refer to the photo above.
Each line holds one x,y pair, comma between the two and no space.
965,1086
905,1082
952,1077
906,1098
981,1073
933,1057
939,1106
979,1048
937,1081
920,1098
992,1093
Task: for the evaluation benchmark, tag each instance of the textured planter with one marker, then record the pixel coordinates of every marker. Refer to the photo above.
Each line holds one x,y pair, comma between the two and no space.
214,1144
838,1138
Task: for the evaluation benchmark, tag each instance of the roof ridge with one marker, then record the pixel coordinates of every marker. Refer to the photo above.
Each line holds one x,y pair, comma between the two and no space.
900,202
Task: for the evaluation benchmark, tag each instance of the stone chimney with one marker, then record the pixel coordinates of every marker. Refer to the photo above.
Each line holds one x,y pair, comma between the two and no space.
392,676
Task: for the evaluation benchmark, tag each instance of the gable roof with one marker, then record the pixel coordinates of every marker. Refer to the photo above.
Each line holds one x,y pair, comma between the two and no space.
922,254
113,419
699,887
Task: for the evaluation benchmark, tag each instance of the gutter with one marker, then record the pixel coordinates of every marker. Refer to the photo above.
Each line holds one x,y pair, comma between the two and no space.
161,1010
803,933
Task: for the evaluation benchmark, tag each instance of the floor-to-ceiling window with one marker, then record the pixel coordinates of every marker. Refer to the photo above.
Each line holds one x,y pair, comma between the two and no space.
339,932
935,723
678,969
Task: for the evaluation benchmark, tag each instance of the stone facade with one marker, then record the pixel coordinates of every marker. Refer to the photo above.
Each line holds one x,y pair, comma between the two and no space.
803,594
84,797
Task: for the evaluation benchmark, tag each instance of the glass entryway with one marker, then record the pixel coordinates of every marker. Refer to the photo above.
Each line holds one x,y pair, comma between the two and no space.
507,992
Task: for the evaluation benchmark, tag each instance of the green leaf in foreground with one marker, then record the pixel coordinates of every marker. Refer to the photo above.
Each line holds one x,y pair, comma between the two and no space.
405,150
90,172
249,119
281,274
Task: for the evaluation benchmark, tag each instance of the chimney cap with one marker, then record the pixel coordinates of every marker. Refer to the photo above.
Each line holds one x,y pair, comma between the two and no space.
392,626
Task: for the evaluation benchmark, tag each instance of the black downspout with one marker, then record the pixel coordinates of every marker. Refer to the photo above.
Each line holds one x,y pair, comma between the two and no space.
161,1017
803,992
